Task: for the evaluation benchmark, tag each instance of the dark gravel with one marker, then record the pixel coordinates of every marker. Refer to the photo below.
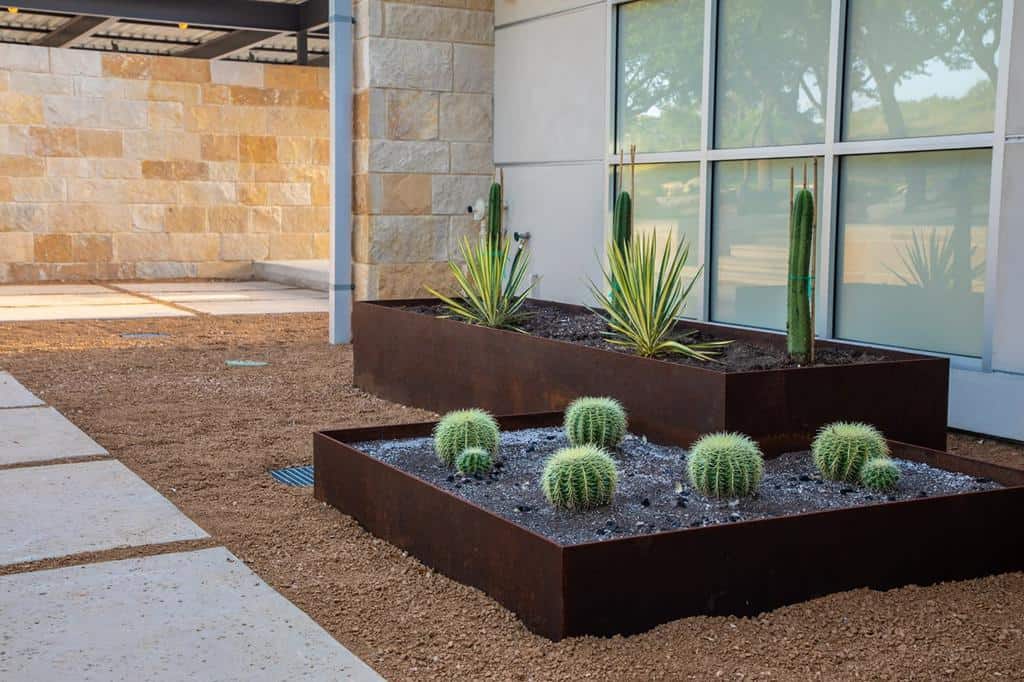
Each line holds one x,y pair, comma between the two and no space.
653,493
586,328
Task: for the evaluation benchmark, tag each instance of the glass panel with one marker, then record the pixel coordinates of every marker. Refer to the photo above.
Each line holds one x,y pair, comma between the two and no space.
772,72
920,67
750,240
667,203
911,258
661,55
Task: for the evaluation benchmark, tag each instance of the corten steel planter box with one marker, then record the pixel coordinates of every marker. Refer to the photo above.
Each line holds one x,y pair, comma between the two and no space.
441,364
629,585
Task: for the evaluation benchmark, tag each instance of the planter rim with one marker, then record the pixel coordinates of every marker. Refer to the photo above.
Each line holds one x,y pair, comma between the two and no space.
904,356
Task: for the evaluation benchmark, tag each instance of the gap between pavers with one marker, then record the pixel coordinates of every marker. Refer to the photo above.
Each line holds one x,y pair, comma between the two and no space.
64,509
38,434
190,615
13,394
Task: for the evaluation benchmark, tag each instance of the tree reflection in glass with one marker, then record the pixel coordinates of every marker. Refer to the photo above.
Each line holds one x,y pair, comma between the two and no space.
920,67
660,58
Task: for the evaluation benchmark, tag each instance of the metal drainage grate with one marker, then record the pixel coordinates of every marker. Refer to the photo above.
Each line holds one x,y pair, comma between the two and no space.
294,475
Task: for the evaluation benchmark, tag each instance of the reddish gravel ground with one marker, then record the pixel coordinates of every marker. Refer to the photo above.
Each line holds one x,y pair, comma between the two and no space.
205,436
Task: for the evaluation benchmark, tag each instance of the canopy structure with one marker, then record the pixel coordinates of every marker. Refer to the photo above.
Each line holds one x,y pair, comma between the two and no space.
268,31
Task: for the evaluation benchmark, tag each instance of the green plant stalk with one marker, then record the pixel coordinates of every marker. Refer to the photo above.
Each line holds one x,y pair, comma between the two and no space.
494,206
622,227
798,300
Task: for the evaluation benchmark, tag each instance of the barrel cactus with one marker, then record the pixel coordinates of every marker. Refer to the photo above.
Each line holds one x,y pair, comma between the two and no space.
880,475
463,429
579,478
595,421
725,465
474,461
842,448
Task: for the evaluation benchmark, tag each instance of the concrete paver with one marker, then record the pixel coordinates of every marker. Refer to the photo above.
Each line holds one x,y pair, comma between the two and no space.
37,434
13,394
199,615
65,509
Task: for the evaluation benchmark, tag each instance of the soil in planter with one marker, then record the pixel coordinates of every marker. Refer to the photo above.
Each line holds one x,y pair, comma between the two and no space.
653,492
587,329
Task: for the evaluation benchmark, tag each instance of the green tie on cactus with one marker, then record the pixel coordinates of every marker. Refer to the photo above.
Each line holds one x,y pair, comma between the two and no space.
579,478
725,465
798,300
494,206
463,429
595,421
622,228
474,461
842,448
880,475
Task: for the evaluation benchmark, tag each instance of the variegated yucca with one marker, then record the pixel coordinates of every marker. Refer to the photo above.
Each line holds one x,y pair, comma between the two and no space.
490,286
650,294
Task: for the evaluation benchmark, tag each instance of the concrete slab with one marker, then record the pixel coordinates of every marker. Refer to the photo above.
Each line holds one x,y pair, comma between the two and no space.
269,295
50,300
296,305
13,394
89,312
193,615
32,289
310,274
156,288
36,434
64,509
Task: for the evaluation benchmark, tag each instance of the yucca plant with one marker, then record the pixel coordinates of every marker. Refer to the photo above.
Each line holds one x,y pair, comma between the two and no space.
650,293
490,286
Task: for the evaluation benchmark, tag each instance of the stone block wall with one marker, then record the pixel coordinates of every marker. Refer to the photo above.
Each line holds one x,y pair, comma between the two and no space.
422,138
127,166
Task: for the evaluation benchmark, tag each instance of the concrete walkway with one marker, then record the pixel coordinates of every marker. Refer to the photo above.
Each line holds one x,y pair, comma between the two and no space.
198,613
130,300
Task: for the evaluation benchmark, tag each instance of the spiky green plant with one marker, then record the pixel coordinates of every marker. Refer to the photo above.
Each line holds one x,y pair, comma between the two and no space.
930,262
579,478
880,475
840,449
798,299
650,294
595,421
474,461
491,288
494,208
725,465
463,429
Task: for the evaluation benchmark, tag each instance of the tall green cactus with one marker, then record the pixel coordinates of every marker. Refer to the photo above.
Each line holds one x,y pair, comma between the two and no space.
494,206
622,219
798,300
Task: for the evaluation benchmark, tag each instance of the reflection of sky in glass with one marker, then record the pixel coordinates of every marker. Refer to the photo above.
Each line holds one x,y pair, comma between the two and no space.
954,84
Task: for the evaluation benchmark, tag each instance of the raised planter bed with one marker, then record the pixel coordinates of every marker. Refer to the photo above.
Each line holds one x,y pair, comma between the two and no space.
630,584
440,364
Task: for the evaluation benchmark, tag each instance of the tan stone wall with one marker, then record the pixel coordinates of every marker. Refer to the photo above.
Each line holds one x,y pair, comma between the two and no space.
121,166
422,138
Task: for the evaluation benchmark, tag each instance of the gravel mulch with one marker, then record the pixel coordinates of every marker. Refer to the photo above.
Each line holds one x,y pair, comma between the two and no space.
205,436
653,492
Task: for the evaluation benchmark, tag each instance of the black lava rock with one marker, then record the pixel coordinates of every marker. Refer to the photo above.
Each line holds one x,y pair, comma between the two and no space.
847,491
523,508
646,502
451,478
805,478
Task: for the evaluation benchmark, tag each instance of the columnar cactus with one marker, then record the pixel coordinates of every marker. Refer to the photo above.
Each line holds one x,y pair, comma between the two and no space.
579,478
842,448
494,208
464,429
725,465
595,421
798,301
880,475
622,219
474,461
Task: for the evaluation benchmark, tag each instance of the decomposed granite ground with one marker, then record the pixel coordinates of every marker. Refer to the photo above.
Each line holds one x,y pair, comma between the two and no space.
205,436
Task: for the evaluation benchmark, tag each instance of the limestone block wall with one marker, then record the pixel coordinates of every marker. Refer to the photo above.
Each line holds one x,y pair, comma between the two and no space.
422,138
127,166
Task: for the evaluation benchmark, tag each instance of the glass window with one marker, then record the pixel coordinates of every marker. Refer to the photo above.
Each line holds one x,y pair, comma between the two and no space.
920,67
661,55
911,257
772,72
667,203
750,240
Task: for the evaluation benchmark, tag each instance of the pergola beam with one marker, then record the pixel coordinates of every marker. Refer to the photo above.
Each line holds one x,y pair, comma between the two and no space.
228,44
75,30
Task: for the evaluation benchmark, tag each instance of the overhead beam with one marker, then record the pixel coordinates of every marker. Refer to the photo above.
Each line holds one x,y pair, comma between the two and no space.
228,44
225,14
314,14
75,30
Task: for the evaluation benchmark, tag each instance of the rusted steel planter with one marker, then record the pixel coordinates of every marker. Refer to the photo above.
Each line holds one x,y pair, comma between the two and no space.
442,365
632,584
